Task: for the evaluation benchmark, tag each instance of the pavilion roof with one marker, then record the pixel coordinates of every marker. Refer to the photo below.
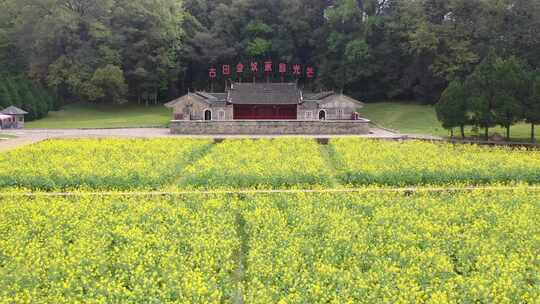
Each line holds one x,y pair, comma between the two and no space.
12,110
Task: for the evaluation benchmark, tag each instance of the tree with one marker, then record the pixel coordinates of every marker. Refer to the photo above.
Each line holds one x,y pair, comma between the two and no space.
345,48
498,85
108,84
511,82
453,107
483,83
371,49
531,104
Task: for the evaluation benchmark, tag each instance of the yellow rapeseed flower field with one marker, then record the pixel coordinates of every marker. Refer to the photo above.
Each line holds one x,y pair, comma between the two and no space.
374,245
98,163
364,162
262,163
371,247
114,164
117,250
477,247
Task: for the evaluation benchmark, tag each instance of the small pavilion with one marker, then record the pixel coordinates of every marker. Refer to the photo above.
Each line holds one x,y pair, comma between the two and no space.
12,118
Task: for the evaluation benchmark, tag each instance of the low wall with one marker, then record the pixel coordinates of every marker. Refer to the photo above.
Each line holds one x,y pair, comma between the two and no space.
270,127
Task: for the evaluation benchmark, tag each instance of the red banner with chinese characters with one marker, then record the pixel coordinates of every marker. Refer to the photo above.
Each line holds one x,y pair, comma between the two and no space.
212,73
267,67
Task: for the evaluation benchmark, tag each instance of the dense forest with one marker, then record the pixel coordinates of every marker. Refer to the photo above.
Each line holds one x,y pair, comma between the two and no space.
151,51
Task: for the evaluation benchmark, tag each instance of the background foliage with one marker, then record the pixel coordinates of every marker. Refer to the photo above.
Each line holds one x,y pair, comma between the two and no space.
152,51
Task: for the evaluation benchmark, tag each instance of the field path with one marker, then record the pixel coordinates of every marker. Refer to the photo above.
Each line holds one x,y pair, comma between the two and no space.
404,190
30,136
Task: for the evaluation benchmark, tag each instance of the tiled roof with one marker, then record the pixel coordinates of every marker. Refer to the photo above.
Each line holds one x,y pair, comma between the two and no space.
340,98
317,96
220,96
264,93
12,110
310,104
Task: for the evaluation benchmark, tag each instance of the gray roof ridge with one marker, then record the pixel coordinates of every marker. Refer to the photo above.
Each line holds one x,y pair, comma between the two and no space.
13,110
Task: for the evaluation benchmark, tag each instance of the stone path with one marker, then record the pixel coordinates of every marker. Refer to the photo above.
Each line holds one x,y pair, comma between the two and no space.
26,137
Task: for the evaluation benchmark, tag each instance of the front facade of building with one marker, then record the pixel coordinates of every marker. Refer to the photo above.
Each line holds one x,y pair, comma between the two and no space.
248,103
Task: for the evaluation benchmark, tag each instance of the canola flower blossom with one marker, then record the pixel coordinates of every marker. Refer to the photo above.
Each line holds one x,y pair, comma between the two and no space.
289,163
366,162
459,247
117,250
98,163
478,247
263,163
474,246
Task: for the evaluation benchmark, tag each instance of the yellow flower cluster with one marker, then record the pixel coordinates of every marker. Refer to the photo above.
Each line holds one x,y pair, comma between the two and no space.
97,163
113,164
117,250
472,247
475,247
363,162
261,163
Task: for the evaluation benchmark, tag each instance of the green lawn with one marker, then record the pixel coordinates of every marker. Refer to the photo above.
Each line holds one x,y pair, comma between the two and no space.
103,116
7,136
421,119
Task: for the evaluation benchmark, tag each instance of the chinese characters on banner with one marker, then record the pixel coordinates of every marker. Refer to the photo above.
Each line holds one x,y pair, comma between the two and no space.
296,70
226,70
310,72
268,67
282,68
239,68
254,67
212,73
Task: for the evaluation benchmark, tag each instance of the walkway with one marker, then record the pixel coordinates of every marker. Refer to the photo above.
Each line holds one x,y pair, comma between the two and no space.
26,137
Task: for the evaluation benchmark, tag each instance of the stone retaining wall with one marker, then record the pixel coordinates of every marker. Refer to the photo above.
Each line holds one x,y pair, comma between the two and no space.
270,127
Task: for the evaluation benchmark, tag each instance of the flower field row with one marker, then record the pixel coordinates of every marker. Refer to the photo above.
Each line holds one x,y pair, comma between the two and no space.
118,250
364,162
373,248
260,164
109,164
98,163
471,247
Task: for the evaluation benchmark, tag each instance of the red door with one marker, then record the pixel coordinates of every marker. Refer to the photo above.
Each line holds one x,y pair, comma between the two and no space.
265,112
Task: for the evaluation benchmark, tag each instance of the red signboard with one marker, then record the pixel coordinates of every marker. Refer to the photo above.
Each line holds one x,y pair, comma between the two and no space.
239,68
226,70
297,70
212,72
254,67
283,68
310,72
268,66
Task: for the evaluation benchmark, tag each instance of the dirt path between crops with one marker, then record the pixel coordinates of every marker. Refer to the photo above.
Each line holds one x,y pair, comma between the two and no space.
26,137
404,190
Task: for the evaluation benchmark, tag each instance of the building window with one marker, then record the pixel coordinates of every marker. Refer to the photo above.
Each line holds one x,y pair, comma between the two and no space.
308,115
340,113
322,115
221,115
207,115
